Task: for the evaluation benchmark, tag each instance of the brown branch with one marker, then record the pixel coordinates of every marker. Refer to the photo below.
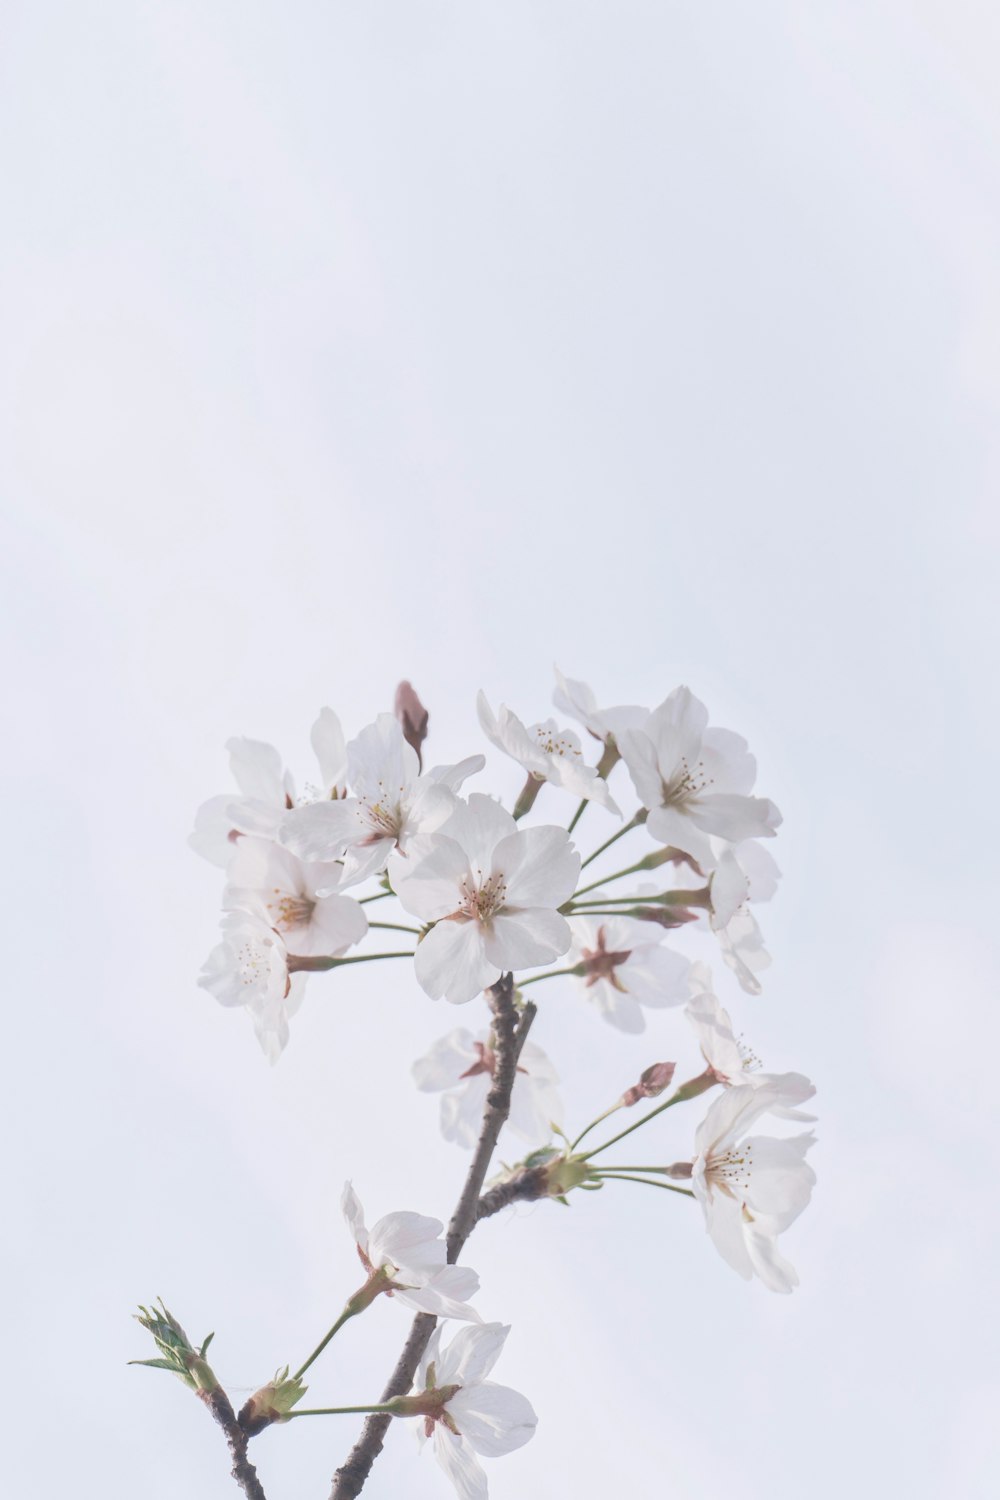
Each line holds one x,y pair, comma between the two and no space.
243,1470
525,1186
509,1037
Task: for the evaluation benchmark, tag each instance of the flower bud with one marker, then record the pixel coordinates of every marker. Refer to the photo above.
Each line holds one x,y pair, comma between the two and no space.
413,717
272,1403
652,1082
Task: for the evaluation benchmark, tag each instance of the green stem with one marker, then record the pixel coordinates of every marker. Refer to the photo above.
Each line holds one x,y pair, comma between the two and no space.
396,927
606,879
363,901
627,1177
634,823
551,974
577,815
301,963
338,1411
674,1099
345,1316
594,1123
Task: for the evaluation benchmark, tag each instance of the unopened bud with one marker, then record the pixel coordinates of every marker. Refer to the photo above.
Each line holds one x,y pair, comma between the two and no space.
177,1354
413,717
652,1082
272,1403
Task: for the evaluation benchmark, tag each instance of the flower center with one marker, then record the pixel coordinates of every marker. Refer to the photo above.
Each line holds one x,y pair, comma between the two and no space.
730,1171
482,899
253,962
290,911
554,744
687,783
600,963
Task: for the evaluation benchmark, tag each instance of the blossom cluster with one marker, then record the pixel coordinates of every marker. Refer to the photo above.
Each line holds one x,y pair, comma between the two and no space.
484,892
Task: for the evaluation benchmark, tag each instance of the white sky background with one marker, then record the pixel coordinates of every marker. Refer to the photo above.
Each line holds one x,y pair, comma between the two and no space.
343,342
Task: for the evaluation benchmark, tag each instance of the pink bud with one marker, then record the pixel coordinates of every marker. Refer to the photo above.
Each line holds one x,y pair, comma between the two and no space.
651,1083
413,716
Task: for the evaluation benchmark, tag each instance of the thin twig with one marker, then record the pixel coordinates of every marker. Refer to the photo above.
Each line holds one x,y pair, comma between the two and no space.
243,1470
509,1037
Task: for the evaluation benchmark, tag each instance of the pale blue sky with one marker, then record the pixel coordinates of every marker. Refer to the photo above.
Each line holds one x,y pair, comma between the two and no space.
345,342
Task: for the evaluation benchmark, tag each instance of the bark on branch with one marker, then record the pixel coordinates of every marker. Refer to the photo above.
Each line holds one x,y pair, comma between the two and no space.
510,1034
243,1470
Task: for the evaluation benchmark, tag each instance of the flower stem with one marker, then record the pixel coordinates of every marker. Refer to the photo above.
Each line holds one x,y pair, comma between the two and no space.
298,963
674,1099
344,1317
577,815
338,1411
594,1123
640,817
551,974
627,1177
396,927
381,895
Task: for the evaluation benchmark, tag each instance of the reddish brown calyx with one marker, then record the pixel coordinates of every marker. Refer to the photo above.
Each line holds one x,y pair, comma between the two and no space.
601,962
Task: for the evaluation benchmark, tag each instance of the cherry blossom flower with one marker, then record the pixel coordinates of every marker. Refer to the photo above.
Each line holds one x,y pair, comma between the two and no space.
751,1188
578,700
731,1062
492,890
266,879
265,794
390,804
249,967
547,752
695,781
460,1067
627,966
463,1412
405,1257
266,790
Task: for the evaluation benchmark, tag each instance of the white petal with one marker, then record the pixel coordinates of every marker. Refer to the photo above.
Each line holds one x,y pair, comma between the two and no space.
509,734
639,755
462,1111
442,1067
427,878
451,961
213,827
330,749
350,1205
494,1418
460,1464
540,866
520,938
472,1354
256,767
381,765
733,817
407,1239
322,830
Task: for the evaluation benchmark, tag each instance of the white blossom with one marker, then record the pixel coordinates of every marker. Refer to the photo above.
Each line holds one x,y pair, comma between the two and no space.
266,790
249,967
626,966
751,1188
546,751
265,793
266,879
578,700
460,1067
695,781
405,1256
492,890
389,804
734,1064
465,1413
